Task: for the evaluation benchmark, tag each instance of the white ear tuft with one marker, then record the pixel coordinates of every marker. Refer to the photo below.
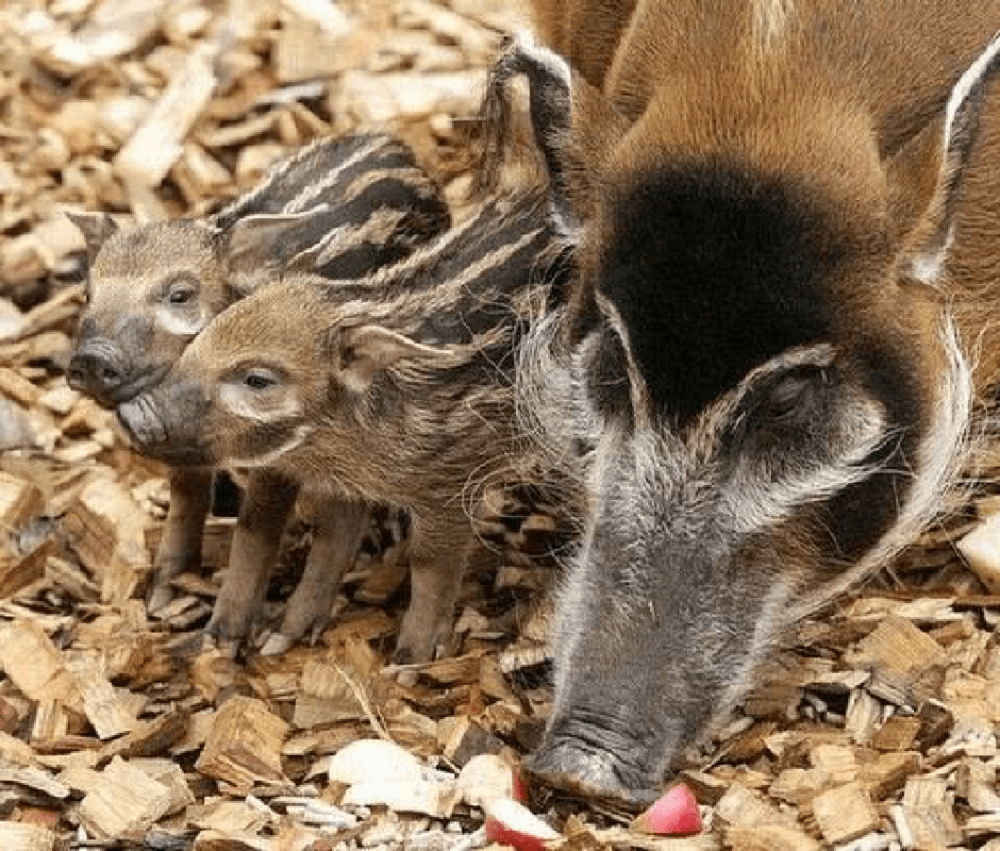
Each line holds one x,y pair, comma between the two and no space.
951,151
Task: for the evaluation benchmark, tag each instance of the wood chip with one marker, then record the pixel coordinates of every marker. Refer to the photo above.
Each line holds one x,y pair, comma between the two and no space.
898,733
125,800
34,664
157,144
845,813
976,784
770,838
16,836
244,745
981,550
105,529
107,709
929,814
20,501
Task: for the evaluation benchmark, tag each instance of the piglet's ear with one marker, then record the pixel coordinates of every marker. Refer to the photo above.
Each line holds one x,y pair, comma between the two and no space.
925,177
360,353
256,246
96,228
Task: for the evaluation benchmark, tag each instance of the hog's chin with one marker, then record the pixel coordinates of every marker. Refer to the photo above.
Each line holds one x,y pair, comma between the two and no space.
150,435
581,770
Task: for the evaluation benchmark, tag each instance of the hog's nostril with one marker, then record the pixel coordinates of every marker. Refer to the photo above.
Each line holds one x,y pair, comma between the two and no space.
75,377
110,376
95,373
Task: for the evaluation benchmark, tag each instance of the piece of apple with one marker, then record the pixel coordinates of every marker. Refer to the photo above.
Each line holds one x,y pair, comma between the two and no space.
511,823
675,814
519,786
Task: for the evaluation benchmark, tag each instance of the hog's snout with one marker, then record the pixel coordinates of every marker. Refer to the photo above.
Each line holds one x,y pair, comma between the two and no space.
596,762
99,370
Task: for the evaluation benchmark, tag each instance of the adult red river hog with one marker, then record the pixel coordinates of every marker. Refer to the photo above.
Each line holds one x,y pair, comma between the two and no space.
785,216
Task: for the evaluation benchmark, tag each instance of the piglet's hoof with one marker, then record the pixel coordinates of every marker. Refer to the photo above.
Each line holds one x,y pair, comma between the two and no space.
158,599
225,646
276,644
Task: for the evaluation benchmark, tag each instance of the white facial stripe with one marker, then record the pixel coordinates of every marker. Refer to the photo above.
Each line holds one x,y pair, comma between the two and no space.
756,506
301,432
818,355
235,400
637,385
941,454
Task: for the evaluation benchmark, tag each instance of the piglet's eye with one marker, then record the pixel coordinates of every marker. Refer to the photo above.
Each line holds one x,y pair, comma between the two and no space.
258,380
180,295
181,288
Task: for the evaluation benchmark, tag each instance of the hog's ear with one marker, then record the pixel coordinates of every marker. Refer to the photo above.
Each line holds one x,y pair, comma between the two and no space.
925,177
360,353
572,122
95,227
256,246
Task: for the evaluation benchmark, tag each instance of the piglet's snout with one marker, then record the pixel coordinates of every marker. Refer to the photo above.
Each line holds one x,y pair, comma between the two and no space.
99,370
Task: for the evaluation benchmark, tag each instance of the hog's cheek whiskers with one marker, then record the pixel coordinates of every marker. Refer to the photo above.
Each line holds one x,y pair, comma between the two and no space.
941,451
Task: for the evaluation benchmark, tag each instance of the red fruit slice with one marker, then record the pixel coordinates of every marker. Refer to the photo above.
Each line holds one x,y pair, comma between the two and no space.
511,823
676,813
520,786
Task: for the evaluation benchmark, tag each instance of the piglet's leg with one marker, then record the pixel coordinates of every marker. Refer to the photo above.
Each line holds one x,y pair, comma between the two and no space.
438,559
338,530
180,546
269,500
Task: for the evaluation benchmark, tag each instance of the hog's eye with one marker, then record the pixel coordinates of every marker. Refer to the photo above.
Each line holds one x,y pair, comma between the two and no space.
794,394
